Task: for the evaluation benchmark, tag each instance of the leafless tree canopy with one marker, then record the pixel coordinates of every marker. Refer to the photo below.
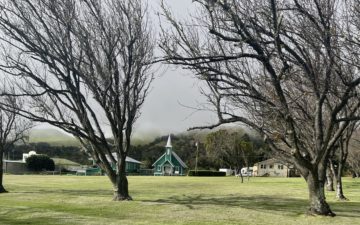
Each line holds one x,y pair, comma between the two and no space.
13,129
353,159
289,69
80,65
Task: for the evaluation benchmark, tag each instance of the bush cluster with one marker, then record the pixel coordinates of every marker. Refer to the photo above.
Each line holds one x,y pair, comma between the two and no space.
206,173
39,163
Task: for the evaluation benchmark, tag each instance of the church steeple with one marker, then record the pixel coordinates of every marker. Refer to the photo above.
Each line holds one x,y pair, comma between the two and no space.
168,149
168,145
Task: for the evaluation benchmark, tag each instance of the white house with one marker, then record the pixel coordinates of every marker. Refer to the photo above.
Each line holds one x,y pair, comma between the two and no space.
247,171
27,155
272,168
227,171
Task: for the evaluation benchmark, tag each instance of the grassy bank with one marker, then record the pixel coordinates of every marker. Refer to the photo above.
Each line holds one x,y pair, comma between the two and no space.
168,200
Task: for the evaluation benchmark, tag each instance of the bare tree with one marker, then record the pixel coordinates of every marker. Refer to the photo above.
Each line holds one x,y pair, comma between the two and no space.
12,129
353,160
337,161
329,178
284,68
230,149
82,66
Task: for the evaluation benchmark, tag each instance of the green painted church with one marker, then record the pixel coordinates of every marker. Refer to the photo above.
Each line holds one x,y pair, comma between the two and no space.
169,164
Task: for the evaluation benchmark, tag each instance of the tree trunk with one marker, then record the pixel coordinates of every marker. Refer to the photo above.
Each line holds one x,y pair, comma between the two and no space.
338,180
318,204
240,175
339,190
121,186
329,179
337,172
2,189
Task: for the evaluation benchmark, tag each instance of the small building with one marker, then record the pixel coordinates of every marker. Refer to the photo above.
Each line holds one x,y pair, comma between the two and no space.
246,171
132,165
169,163
20,167
228,172
272,168
27,155
17,167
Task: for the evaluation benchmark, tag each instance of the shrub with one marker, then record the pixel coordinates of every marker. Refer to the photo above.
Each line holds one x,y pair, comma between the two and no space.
206,173
40,162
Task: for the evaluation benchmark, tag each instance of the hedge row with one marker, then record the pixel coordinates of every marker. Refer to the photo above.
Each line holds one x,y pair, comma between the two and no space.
206,173
39,163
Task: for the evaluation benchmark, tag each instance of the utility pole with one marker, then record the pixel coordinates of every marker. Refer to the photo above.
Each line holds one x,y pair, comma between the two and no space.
197,155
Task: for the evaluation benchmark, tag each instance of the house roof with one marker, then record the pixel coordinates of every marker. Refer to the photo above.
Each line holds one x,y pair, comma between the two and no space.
14,161
64,162
128,159
270,161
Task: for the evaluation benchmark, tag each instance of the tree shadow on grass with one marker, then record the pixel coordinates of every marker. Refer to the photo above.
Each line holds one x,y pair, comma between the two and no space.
77,192
346,209
249,202
274,204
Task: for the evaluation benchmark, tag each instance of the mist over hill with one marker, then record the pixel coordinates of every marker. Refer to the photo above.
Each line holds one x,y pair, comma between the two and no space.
53,137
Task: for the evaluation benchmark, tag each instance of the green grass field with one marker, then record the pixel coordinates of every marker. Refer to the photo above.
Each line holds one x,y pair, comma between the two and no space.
168,200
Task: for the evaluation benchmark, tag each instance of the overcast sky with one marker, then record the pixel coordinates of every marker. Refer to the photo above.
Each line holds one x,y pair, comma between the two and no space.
163,111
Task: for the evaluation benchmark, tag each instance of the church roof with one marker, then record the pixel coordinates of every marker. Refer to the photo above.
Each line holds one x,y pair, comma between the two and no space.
176,157
179,160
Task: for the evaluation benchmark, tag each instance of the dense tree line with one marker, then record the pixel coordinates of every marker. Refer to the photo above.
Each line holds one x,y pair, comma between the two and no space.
72,153
184,146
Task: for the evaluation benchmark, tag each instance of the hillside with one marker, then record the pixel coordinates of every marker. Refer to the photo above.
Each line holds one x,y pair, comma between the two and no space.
58,138
53,137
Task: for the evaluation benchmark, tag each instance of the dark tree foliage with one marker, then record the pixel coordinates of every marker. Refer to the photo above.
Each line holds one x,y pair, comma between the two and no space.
184,146
39,163
72,153
233,149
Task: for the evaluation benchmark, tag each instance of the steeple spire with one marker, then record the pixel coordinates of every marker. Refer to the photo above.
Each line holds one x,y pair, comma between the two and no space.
168,145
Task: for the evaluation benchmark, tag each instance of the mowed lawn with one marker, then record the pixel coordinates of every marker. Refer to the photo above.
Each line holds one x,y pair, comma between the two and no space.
168,200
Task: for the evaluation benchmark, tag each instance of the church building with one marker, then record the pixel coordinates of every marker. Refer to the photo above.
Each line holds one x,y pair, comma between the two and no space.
169,164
